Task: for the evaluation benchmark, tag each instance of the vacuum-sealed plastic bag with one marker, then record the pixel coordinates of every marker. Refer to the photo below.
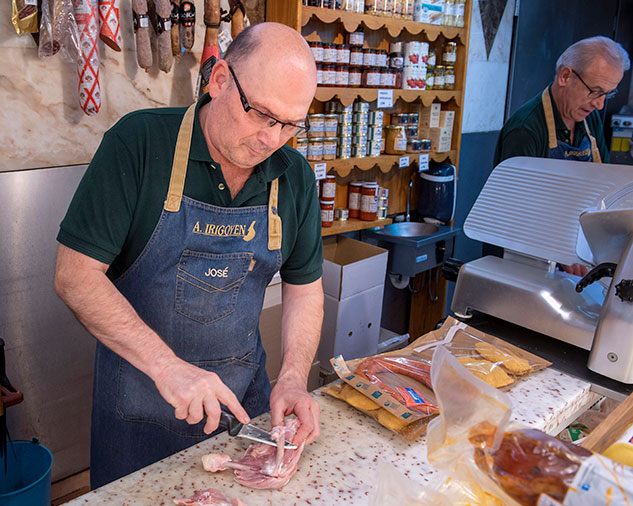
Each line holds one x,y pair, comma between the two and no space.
472,440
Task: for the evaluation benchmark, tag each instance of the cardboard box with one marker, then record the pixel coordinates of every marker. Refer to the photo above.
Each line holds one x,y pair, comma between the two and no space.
447,119
430,116
353,282
440,139
351,267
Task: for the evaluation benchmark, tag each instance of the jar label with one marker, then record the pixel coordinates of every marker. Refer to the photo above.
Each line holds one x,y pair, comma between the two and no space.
368,204
400,144
327,215
356,58
355,78
354,200
329,190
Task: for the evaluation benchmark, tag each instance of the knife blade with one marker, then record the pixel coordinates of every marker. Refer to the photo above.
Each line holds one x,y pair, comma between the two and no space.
236,428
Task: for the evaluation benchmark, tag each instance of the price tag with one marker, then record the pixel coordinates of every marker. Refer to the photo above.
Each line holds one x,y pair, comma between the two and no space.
404,161
385,99
320,170
423,163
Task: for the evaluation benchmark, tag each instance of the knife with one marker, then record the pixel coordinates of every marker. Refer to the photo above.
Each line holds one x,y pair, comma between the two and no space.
236,428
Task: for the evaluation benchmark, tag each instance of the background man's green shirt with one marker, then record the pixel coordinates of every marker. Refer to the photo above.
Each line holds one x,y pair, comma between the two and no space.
120,198
525,133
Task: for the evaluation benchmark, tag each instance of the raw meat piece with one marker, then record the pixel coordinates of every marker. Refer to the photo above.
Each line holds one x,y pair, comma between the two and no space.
208,497
215,462
264,466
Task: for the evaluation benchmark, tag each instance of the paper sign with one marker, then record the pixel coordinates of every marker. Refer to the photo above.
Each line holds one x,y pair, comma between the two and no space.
320,170
385,99
403,162
423,163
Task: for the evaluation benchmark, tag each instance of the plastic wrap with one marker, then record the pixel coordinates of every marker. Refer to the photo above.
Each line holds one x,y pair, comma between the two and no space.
58,30
472,441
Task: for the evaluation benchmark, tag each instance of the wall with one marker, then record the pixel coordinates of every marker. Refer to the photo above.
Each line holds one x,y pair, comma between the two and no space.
41,123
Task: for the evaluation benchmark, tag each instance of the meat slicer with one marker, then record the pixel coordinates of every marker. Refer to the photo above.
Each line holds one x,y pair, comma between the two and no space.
548,213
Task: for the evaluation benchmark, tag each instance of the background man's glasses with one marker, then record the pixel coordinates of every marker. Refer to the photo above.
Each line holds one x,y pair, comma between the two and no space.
595,93
266,120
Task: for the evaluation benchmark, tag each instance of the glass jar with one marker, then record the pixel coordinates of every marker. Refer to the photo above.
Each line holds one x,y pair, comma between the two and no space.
329,75
432,58
353,198
356,38
438,77
400,119
459,13
375,7
398,82
414,145
302,147
382,58
317,51
368,57
329,148
371,77
448,14
425,145
329,52
327,213
342,54
342,76
330,123
315,149
328,188
317,125
368,201
396,60
356,56
430,78
396,140
449,77
319,67
449,56
355,77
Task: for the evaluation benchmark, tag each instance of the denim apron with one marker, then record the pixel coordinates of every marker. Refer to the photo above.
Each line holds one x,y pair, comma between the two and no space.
199,283
587,151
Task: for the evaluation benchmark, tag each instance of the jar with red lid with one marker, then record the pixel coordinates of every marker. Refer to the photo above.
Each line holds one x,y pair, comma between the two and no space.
342,75
329,75
319,67
368,57
328,188
342,54
368,201
381,58
371,77
327,213
356,38
317,50
355,77
353,198
329,52
356,56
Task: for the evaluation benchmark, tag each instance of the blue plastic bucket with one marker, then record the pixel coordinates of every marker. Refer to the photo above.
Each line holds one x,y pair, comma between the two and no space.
27,480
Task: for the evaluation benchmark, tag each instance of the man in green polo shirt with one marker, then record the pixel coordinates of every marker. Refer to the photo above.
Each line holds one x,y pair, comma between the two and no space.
179,224
563,121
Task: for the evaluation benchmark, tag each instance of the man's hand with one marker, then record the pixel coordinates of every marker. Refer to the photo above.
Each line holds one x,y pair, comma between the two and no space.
576,269
286,398
194,392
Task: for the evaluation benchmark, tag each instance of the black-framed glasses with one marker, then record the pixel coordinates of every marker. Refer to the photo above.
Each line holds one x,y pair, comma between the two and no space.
266,120
595,93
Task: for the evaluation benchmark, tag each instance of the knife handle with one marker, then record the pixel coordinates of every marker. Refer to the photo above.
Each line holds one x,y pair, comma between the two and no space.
230,423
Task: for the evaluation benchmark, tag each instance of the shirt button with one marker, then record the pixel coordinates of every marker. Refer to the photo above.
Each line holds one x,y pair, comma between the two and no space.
221,186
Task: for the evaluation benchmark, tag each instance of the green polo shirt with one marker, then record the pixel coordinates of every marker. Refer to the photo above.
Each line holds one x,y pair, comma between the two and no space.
525,133
120,198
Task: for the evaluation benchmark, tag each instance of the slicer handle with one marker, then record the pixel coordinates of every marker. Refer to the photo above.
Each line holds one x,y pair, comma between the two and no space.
230,423
600,271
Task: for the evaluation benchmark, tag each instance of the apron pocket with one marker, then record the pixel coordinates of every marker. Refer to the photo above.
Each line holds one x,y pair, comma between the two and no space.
138,399
208,284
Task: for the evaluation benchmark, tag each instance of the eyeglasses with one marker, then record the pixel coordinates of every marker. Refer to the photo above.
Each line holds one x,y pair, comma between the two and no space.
266,120
596,93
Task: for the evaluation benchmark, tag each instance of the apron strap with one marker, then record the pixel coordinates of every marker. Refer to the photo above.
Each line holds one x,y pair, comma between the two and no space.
549,119
181,159
274,220
595,152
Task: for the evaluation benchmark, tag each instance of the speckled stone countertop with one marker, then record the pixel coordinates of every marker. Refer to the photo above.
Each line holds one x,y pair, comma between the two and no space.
340,467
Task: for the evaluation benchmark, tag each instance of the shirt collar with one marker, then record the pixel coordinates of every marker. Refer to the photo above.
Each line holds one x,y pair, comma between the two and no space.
266,171
558,119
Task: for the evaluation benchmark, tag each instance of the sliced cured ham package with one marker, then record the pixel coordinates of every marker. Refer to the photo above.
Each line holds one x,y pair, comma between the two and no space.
395,388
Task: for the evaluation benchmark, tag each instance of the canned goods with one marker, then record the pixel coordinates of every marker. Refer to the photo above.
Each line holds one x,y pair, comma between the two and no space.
330,122
359,129
381,213
360,117
383,192
302,147
341,214
374,133
411,131
382,201
414,145
425,145
344,129
400,119
412,53
361,106
410,78
359,139
373,148
344,151
345,117
375,117
413,118
359,150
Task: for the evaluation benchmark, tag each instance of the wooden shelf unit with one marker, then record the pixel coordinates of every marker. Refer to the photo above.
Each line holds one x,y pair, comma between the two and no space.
328,25
351,225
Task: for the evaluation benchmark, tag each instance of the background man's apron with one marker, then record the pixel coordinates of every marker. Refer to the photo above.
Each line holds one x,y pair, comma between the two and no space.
587,151
199,283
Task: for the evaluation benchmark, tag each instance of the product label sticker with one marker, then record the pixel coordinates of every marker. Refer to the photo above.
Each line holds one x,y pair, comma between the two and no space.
411,396
403,162
320,170
545,500
600,481
423,163
385,99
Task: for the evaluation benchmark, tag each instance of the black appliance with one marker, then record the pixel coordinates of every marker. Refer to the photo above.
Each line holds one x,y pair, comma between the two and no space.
436,196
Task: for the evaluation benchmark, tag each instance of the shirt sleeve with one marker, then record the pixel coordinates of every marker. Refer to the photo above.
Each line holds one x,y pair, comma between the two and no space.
305,261
517,142
99,216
